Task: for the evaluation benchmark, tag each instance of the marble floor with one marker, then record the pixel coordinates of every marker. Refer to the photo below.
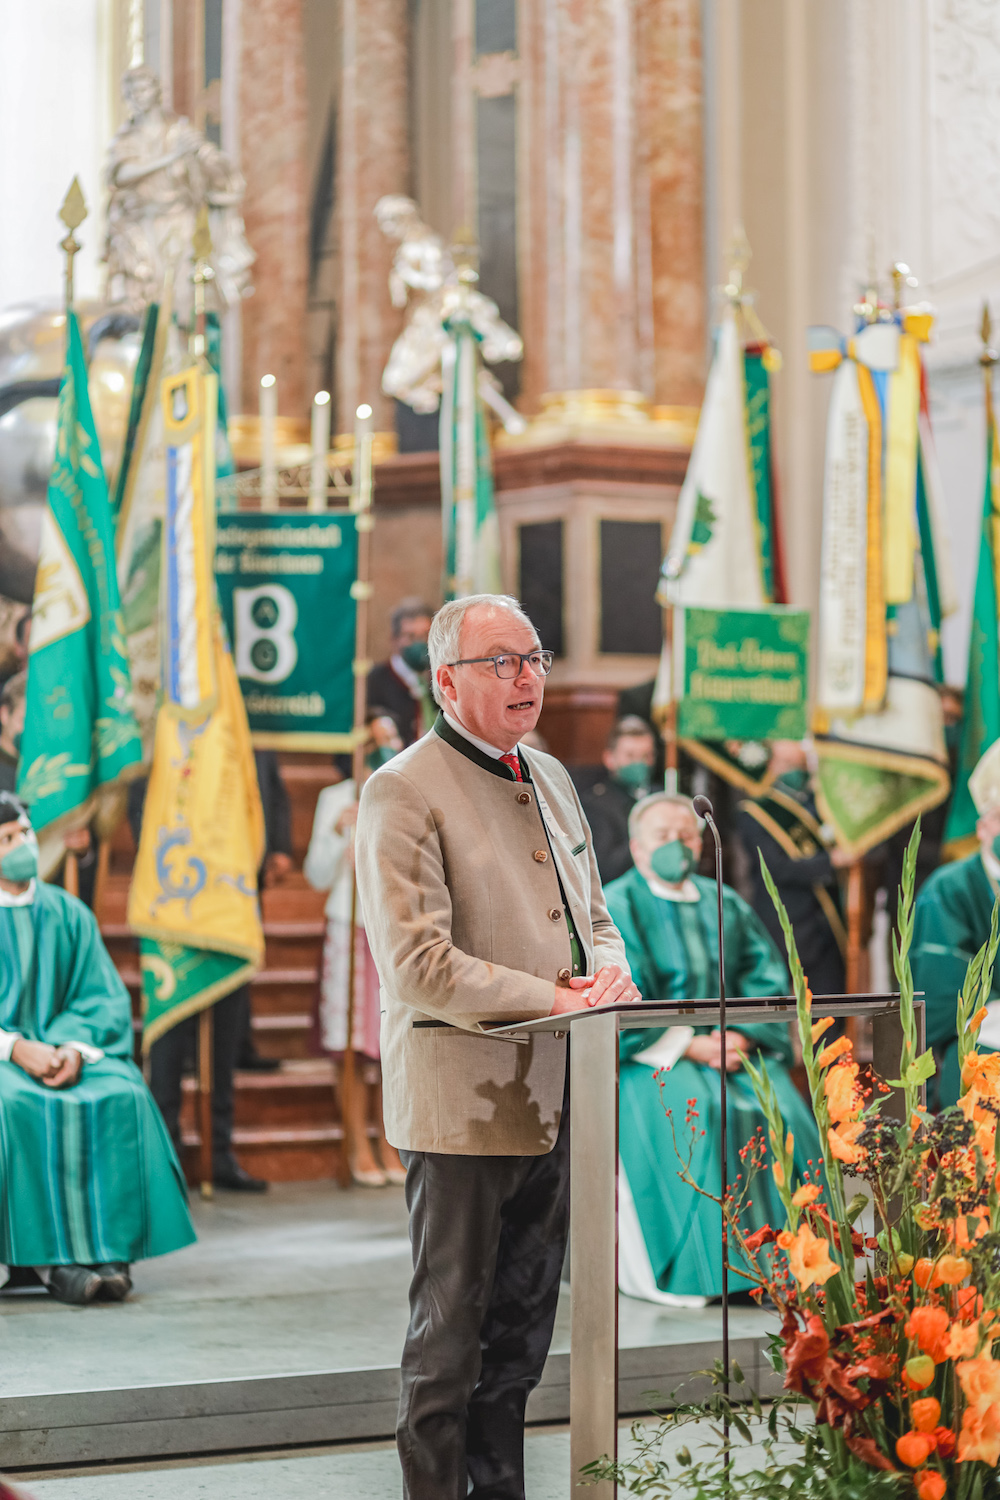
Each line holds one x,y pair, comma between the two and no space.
306,1278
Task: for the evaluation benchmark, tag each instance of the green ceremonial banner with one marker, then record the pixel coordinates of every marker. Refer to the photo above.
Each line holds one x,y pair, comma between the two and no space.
79,730
981,717
744,673
285,590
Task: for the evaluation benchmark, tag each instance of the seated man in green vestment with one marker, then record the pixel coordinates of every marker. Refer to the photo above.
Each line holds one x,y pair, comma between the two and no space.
669,1235
951,922
89,1181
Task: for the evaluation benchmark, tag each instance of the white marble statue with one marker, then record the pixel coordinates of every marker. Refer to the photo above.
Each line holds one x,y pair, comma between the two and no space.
425,279
160,171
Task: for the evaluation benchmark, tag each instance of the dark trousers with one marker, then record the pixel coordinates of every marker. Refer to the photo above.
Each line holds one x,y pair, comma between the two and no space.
489,1237
174,1052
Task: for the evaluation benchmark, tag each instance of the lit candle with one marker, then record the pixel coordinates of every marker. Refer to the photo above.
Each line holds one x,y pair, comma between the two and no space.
362,458
268,454
320,448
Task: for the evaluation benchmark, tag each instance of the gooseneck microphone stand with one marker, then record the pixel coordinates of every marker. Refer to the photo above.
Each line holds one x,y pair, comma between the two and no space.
705,810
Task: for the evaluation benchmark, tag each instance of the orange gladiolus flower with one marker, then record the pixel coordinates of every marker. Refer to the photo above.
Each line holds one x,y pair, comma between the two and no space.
982,1073
843,1097
929,1326
925,1413
979,1438
950,1270
806,1194
842,1142
978,1018
930,1485
915,1448
962,1340
980,1379
820,1027
836,1049
808,1256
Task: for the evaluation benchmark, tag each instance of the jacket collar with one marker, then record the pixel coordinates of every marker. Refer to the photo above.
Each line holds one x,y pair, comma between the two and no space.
465,747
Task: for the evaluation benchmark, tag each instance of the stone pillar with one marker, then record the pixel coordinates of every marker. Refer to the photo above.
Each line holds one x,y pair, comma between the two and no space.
372,159
670,201
612,277
273,129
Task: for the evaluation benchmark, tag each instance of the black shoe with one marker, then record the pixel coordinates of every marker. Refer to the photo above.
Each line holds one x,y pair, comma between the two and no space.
116,1283
252,1062
229,1174
76,1284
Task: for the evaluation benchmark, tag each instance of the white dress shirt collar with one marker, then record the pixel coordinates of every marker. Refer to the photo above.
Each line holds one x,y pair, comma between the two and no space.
25,898
407,675
688,891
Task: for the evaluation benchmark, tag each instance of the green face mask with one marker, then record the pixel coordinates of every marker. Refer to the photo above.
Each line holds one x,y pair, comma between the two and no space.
417,656
378,757
797,780
20,863
672,862
634,777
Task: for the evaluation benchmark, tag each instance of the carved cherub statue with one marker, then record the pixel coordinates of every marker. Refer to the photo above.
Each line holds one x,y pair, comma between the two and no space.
425,278
160,171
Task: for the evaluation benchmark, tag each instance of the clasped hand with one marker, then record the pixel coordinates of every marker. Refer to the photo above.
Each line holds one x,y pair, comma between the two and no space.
56,1067
707,1050
609,986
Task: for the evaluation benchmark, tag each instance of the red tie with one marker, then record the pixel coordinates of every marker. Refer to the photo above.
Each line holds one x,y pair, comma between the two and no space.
511,760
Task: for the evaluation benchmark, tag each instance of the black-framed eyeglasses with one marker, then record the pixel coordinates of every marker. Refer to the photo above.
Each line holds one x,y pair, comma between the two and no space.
512,664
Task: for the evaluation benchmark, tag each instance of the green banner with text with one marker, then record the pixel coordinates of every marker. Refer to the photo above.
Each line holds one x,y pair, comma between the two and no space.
285,592
745,673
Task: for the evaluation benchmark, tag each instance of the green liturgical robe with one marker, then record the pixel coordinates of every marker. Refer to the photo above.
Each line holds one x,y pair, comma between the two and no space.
951,922
673,952
87,1173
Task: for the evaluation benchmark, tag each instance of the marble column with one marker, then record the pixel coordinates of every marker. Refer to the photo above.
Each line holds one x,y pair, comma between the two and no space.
670,200
272,107
372,159
612,252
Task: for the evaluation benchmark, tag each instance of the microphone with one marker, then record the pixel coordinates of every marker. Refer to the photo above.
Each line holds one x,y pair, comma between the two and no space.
704,809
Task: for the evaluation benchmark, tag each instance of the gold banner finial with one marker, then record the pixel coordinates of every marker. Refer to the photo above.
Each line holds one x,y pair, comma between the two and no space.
738,258
989,355
72,213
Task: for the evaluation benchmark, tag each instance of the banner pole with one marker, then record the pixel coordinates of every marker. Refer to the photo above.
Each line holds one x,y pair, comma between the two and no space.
668,728
205,1100
361,590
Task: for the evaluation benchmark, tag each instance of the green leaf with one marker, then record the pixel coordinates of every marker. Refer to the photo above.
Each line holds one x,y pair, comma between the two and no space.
738,1374
918,1072
856,1207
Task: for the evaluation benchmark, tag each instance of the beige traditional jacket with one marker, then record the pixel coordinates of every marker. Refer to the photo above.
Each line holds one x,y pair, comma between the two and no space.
459,869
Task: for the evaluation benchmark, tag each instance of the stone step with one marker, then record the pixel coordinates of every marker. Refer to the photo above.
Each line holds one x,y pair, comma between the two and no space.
302,1154
300,1096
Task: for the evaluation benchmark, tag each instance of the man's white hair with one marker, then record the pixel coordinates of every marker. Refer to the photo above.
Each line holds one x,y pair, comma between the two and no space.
642,807
443,642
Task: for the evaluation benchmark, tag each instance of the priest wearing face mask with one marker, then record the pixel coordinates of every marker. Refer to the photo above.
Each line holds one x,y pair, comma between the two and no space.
669,1248
88,1178
402,684
627,775
329,866
951,922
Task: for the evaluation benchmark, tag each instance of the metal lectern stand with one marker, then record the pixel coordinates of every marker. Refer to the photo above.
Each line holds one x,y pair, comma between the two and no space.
594,1176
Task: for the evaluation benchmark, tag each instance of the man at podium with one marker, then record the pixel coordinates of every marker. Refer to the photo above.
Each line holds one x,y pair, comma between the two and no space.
669,1235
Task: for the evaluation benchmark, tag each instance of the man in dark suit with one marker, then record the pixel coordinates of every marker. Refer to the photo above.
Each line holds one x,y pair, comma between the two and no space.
402,684
627,776
782,824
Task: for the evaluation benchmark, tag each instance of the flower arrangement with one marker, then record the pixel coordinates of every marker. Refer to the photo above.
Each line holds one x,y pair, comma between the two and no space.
887,1338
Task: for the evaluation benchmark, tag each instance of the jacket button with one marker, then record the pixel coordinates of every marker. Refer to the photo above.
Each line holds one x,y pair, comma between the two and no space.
555,915
541,856
563,976
524,798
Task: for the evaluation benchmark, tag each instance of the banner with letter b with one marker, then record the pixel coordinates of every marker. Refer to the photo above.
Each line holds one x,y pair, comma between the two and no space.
285,589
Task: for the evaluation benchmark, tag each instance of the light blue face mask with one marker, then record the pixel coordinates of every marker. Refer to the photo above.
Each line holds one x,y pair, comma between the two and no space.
20,863
672,862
